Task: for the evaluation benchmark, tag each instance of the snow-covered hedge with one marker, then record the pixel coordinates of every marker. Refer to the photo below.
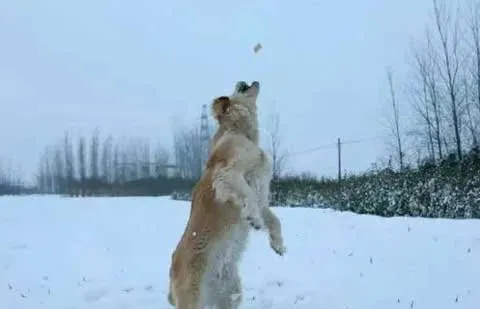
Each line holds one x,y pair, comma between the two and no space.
182,195
413,194
449,189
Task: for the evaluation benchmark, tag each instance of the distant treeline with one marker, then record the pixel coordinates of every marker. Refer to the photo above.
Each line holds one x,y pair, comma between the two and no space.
151,186
108,168
16,189
10,181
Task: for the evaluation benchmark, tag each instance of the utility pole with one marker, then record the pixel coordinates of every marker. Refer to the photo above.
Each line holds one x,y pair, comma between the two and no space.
204,135
339,146
339,192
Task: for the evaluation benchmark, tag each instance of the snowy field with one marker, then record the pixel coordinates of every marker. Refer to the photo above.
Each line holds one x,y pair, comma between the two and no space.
115,252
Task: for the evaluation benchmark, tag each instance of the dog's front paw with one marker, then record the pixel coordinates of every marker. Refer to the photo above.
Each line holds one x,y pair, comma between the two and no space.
255,223
252,215
278,247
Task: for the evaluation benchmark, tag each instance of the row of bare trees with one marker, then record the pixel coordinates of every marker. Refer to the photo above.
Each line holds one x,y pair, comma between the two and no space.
10,179
94,163
189,150
442,89
8,173
95,166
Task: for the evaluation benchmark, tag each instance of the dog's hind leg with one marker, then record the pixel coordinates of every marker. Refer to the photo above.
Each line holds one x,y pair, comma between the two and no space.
229,293
187,290
189,301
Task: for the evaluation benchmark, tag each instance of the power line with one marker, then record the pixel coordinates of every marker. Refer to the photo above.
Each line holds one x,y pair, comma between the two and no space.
333,145
323,147
367,139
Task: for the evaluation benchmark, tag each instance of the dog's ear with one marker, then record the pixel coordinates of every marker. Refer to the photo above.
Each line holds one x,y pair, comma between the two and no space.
221,106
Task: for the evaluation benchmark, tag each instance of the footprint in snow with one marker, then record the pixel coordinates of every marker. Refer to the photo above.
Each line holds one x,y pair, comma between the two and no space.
149,288
95,295
299,298
275,283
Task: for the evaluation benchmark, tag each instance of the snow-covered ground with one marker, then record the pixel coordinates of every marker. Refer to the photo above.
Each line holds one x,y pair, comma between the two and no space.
115,252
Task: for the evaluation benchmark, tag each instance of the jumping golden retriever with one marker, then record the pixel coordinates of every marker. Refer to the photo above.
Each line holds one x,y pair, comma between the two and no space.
230,198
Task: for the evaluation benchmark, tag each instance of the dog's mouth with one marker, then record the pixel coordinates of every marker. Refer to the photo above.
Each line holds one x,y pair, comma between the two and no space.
243,87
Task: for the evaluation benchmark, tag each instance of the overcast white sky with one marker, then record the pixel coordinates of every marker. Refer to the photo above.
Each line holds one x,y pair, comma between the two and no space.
131,67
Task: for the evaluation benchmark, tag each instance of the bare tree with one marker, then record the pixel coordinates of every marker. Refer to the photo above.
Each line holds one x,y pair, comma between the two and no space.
276,148
447,28
473,22
425,99
161,157
470,121
94,145
474,44
41,177
123,177
106,160
48,171
133,159
145,159
395,121
2,175
3,178
116,164
188,152
59,169
82,169
432,86
69,164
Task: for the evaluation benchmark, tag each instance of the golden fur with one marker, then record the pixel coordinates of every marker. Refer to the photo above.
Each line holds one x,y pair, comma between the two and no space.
230,197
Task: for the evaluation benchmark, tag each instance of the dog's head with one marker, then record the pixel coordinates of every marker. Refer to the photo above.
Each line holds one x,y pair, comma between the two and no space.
240,105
